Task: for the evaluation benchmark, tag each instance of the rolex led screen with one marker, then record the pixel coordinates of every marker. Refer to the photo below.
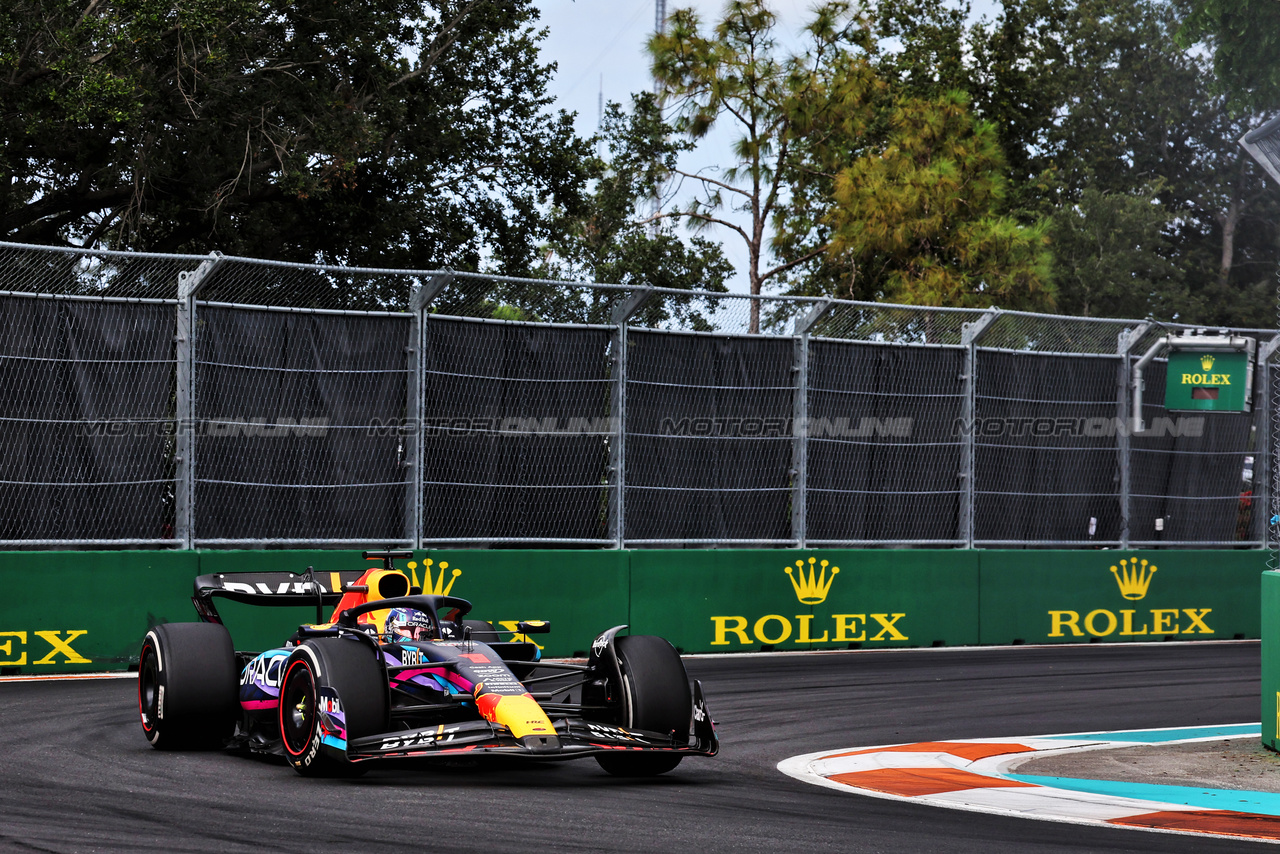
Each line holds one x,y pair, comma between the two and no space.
1208,381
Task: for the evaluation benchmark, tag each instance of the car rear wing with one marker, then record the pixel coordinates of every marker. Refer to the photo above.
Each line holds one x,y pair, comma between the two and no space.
272,589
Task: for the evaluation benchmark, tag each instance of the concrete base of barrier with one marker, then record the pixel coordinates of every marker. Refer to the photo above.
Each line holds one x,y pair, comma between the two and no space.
83,611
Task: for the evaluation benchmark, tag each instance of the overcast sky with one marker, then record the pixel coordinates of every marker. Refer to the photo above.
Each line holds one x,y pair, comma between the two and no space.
595,41
599,45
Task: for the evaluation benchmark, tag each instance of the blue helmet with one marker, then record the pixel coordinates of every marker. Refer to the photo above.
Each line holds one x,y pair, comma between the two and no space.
409,623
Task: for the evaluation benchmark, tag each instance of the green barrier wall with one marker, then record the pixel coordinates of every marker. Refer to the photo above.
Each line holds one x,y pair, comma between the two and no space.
731,601
85,611
1270,658
1082,596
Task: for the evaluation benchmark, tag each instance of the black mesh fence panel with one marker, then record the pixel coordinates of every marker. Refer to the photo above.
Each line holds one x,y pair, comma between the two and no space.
883,444
708,437
1188,472
516,432
326,405
86,416
299,421
1046,464
53,270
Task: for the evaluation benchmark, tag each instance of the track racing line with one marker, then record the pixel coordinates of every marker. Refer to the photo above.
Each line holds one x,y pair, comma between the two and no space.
979,775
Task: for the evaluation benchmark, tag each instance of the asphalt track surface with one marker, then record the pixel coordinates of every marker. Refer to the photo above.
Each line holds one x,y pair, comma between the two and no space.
77,775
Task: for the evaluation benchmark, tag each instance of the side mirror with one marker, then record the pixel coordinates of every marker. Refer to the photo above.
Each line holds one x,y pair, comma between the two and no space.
534,627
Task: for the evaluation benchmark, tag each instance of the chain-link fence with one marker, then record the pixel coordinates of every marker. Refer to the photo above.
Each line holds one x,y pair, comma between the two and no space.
196,401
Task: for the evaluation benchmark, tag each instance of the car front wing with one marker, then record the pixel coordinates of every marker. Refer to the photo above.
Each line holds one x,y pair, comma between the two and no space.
574,738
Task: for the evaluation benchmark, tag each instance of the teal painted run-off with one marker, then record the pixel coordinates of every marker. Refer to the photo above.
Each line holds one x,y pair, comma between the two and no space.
1160,736
1262,803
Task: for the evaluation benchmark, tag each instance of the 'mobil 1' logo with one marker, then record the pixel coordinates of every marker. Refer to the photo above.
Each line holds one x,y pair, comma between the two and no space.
1133,577
811,584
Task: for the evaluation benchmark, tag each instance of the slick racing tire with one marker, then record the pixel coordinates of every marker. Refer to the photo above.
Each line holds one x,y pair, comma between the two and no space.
334,687
188,686
655,696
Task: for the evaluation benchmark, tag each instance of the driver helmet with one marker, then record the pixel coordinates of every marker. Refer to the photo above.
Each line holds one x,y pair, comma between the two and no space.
409,623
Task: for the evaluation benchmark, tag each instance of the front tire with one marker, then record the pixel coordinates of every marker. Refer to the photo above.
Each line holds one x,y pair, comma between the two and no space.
188,686
655,697
334,690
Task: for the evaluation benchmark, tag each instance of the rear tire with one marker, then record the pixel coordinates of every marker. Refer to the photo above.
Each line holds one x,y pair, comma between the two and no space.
317,669
655,697
188,686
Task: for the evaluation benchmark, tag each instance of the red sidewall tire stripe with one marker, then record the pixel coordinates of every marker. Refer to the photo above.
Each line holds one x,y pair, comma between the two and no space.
284,684
147,645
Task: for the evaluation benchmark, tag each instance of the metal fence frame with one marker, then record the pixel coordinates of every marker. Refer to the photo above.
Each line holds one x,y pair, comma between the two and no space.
811,319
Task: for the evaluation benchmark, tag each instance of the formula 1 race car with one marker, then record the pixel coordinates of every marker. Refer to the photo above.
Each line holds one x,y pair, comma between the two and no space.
397,674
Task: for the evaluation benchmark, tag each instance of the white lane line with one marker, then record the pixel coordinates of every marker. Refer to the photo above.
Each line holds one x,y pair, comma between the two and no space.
67,677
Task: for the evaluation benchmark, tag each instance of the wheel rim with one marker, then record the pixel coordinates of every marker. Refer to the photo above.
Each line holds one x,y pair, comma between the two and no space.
148,688
297,708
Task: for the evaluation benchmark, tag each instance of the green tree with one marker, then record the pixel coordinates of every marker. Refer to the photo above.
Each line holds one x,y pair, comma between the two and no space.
1112,255
390,132
872,186
1245,37
612,238
1091,94
918,215
1136,110
735,74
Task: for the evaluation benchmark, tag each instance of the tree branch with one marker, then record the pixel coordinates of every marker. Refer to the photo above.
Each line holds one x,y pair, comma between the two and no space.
439,46
704,218
782,268
721,184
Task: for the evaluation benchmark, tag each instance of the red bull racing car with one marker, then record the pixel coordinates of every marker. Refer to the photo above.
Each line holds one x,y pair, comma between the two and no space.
395,674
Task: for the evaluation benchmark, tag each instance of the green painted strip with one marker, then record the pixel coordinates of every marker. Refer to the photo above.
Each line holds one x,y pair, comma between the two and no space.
1270,607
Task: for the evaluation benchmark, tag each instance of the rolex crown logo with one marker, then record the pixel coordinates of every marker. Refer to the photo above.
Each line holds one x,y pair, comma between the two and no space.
811,586
438,587
1206,361
1134,577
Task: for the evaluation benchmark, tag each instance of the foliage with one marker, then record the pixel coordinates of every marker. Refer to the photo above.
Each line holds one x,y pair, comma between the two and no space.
1245,37
873,186
920,212
918,215
1137,110
1088,94
735,74
1113,252
390,132
612,238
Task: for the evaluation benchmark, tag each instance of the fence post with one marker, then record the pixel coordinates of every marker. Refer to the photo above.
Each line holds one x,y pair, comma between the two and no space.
800,424
969,335
622,312
415,404
1125,341
184,458
1263,443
